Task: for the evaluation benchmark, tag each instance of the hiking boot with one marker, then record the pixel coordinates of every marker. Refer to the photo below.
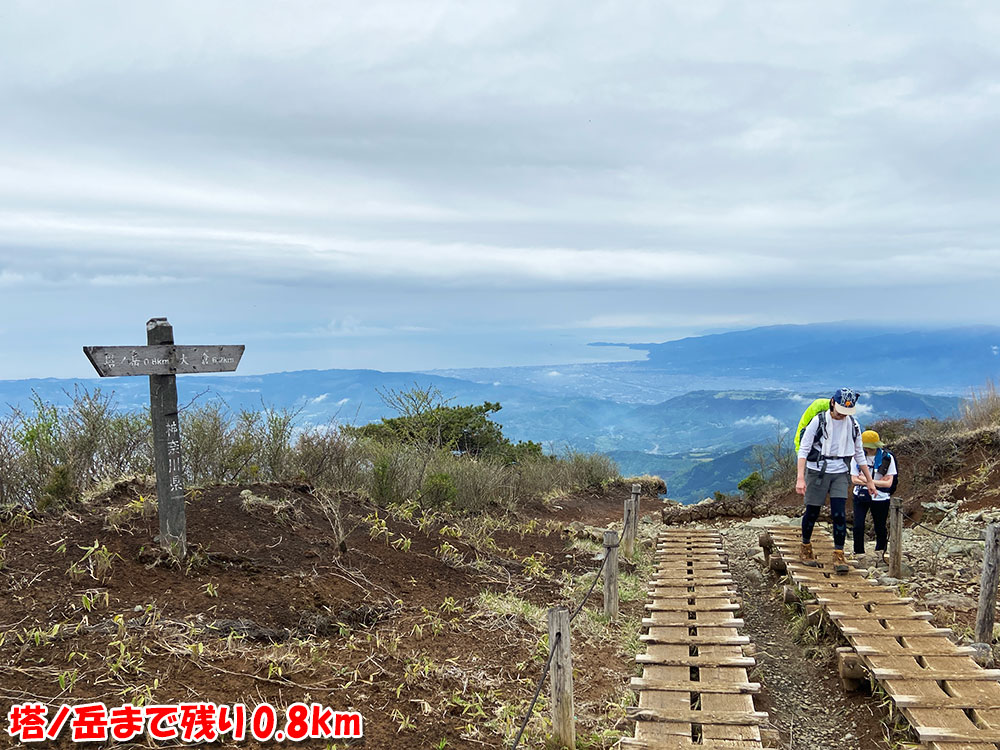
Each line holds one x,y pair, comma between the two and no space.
840,562
806,556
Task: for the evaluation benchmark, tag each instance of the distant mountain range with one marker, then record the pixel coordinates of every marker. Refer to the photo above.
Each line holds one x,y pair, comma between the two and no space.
687,414
802,357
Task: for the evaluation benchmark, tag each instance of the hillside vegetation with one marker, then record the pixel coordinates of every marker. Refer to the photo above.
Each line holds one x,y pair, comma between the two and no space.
402,571
432,453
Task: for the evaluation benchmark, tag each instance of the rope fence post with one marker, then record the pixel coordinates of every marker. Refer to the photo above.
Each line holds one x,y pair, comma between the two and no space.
896,537
988,585
610,574
628,531
636,492
561,676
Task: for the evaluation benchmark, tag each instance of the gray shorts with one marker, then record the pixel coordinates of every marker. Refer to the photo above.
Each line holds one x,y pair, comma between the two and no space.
819,485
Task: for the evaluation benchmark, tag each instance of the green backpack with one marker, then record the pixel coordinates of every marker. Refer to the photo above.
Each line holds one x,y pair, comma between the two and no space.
820,404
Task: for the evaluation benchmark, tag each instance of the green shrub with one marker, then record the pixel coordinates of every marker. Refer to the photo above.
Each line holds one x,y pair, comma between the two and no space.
590,470
482,483
438,491
59,490
426,419
328,458
752,486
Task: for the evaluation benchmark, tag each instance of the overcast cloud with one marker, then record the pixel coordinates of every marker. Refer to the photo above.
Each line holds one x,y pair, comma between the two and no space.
440,184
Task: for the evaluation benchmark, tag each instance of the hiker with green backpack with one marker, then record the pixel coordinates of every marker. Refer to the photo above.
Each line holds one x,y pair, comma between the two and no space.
882,465
827,443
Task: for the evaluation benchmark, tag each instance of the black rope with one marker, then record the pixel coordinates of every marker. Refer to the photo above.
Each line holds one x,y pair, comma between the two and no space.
538,691
940,533
593,585
552,648
597,576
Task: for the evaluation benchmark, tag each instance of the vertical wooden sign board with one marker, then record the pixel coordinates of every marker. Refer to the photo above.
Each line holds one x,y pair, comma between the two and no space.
162,361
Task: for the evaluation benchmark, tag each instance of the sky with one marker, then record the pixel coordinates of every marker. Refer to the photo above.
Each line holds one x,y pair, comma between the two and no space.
415,185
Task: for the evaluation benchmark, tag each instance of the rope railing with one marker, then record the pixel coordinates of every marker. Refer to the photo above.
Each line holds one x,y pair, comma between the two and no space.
593,585
538,692
940,533
573,616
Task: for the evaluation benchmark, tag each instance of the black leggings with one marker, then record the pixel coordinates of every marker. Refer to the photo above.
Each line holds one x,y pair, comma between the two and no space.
838,516
880,513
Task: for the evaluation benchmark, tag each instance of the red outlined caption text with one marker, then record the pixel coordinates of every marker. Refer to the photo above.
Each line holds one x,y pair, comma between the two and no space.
187,722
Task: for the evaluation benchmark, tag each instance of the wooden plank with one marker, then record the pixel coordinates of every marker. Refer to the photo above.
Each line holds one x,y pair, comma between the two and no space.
164,358
681,744
735,688
696,661
667,605
910,658
696,640
945,734
715,710
752,718
983,675
721,597
943,651
672,619
921,701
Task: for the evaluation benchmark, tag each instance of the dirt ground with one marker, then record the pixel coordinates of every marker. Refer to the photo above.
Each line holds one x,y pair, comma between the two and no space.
432,628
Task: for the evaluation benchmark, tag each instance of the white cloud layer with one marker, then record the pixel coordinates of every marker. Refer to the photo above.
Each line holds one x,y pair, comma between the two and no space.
435,169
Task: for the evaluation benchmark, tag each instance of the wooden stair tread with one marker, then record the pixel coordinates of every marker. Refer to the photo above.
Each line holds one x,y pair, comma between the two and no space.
717,688
752,718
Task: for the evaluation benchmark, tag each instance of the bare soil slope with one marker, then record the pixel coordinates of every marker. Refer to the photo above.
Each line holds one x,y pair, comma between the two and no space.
432,630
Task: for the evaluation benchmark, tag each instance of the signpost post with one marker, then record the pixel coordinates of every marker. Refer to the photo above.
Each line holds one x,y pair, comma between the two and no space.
162,361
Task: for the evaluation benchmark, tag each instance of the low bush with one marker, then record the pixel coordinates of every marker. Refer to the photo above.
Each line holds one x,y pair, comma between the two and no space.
438,490
49,457
981,410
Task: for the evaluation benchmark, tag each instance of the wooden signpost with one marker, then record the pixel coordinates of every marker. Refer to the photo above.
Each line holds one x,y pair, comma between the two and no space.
162,361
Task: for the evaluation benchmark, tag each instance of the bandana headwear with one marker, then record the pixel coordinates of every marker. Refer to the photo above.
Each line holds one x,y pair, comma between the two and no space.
845,400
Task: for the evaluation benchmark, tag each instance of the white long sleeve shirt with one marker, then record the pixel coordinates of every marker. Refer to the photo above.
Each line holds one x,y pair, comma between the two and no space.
840,441
890,471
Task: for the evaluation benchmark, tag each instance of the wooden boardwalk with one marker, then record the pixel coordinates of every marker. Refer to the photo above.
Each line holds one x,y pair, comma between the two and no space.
694,691
950,701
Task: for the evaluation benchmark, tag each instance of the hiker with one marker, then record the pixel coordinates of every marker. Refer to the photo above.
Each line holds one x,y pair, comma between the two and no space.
882,465
831,439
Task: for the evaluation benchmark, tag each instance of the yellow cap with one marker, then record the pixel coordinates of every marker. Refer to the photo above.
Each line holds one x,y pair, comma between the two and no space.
871,439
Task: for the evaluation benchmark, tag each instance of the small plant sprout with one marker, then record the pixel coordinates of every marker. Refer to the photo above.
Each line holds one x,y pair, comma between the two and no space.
402,543
379,527
97,560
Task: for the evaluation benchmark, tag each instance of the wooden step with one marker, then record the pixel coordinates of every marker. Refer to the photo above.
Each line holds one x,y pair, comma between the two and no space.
952,675
712,688
961,704
902,651
706,662
725,718
677,744
944,734
733,623
667,606
695,640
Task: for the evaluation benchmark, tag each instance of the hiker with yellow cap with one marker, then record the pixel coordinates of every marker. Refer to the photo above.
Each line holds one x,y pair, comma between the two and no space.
882,465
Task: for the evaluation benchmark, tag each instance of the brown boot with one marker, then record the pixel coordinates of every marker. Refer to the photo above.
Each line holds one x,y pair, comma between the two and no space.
839,562
806,556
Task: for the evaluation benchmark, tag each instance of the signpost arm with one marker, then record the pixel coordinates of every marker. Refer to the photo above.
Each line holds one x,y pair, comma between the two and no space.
166,447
